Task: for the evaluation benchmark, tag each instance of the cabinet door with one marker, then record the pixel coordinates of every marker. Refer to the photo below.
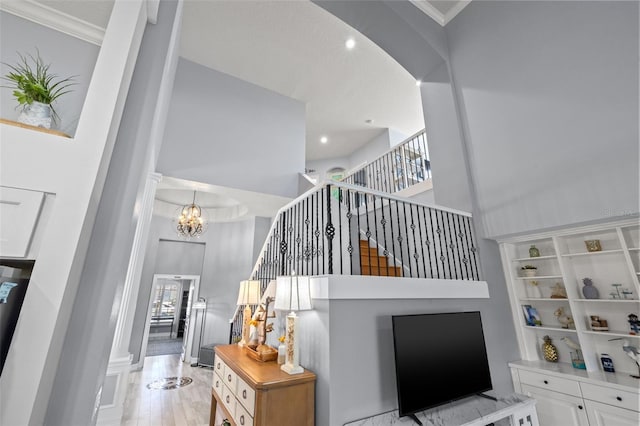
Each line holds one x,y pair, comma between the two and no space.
608,415
555,408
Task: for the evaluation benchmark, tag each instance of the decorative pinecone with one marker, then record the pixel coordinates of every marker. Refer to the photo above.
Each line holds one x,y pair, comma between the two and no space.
549,350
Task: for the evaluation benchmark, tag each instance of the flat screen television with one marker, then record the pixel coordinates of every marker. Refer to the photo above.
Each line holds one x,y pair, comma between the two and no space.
439,358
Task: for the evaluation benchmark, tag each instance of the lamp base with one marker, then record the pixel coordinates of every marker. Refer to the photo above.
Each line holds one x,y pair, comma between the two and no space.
291,369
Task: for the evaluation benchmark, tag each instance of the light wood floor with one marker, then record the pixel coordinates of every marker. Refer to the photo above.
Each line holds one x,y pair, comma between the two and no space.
187,406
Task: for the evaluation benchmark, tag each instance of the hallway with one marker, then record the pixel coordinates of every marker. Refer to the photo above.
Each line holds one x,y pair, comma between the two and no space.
184,406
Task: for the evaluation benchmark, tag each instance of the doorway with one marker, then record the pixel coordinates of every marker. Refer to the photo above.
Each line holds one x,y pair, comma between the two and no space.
168,329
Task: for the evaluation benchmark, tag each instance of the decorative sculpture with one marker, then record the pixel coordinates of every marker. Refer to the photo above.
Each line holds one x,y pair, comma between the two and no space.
564,319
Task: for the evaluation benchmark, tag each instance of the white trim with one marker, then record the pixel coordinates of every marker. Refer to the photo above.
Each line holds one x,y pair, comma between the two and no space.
152,11
443,19
52,18
361,287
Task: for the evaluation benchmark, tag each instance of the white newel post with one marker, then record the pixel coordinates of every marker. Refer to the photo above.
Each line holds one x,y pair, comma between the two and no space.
115,385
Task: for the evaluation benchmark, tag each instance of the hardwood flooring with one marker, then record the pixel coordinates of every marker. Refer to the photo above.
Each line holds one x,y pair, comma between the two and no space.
186,406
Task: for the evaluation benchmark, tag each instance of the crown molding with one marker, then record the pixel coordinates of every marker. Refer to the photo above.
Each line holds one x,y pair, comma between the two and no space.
435,14
54,19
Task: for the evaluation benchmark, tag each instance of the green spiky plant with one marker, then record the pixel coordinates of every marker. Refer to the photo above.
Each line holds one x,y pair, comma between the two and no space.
32,81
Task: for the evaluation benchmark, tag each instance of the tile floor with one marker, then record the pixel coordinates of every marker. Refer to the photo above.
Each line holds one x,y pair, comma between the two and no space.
186,406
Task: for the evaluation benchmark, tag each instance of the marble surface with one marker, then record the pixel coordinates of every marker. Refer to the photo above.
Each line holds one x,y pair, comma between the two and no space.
468,411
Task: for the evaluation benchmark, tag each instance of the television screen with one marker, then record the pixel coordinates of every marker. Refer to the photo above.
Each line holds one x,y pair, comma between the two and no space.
439,358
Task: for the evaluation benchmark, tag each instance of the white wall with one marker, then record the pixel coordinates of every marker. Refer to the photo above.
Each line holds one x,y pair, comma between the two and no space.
372,150
227,132
67,55
229,251
550,98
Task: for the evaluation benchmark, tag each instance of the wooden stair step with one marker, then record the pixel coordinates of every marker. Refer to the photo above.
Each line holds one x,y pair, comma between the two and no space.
382,271
374,261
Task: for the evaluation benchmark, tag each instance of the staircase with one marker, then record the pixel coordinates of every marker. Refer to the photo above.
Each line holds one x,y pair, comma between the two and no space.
371,263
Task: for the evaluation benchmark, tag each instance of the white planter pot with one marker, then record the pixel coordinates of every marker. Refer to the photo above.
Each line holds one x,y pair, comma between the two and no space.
36,114
529,272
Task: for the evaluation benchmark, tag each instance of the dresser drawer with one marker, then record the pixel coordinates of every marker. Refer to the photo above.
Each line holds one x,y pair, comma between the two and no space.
230,378
217,385
229,400
218,366
242,417
549,382
246,396
606,395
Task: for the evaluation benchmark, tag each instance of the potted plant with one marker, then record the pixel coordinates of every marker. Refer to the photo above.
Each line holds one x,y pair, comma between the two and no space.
36,88
529,270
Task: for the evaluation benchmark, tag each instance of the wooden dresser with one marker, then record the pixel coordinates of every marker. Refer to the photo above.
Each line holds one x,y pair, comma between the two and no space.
248,392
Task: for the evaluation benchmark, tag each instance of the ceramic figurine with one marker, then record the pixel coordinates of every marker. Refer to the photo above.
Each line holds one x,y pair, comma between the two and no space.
534,252
634,324
549,351
565,320
599,324
589,291
534,291
558,291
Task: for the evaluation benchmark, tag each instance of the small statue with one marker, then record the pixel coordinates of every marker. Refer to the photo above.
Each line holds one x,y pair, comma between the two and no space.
565,320
549,351
558,291
589,291
599,324
634,324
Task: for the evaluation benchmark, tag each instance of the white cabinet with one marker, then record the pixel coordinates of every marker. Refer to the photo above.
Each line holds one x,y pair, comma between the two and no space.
556,408
608,257
19,210
607,415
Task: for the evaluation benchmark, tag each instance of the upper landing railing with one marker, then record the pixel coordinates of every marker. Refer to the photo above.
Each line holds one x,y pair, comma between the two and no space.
321,232
401,167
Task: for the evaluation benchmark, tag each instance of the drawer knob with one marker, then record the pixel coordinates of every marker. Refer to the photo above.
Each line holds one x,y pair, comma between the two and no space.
242,419
580,407
229,377
227,399
546,382
244,394
619,398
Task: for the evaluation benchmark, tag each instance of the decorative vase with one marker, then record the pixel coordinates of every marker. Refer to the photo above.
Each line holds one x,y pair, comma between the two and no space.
534,252
533,290
589,291
36,114
549,351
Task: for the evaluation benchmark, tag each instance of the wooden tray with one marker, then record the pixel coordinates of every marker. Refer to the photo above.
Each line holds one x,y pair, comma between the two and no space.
261,356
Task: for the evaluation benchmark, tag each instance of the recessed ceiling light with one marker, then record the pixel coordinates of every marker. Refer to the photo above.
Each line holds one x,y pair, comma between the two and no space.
369,121
350,43
324,139
418,83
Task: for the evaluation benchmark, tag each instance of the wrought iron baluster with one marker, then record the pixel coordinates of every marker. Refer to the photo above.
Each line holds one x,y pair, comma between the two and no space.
451,245
283,242
340,226
416,255
464,273
406,237
322,226
349,229
443,243
433,241
384,244
329,232
316,233
476,270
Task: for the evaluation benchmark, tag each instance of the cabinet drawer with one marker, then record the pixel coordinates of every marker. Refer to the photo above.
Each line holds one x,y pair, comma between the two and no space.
217,385
242,417
618,398
229,400
230,378
218,366
246,396
550,382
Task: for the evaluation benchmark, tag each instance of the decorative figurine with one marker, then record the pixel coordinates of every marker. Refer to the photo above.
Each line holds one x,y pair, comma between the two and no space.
607,363
593,245
573,345
634,324
565,320
534,252
589,291
577,361
599,324
616,293
626,292
535,291
632,352
549,351
558,291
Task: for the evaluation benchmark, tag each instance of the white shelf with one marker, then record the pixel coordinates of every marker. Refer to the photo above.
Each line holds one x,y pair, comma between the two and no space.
548,328
544,299
541,277
634,249
527,259
607,300
614,333
593,253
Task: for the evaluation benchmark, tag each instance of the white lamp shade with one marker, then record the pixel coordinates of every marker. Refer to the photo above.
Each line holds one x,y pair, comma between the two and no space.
293,293
270,291
249,293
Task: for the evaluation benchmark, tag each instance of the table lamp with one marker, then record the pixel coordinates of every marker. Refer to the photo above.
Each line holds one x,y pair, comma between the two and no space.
293,293
249,294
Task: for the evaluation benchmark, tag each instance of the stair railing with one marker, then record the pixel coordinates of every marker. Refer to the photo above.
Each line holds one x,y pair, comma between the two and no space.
319,233
399,168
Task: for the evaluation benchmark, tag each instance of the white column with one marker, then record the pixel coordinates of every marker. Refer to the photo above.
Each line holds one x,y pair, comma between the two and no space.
116,379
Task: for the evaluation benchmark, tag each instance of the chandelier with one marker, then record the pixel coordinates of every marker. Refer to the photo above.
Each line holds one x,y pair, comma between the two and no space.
190,221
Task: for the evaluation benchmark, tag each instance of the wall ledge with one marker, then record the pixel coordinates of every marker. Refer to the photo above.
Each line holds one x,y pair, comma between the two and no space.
346,287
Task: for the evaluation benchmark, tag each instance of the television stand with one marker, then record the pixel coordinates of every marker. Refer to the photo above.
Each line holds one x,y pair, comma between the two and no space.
473,411
415,419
